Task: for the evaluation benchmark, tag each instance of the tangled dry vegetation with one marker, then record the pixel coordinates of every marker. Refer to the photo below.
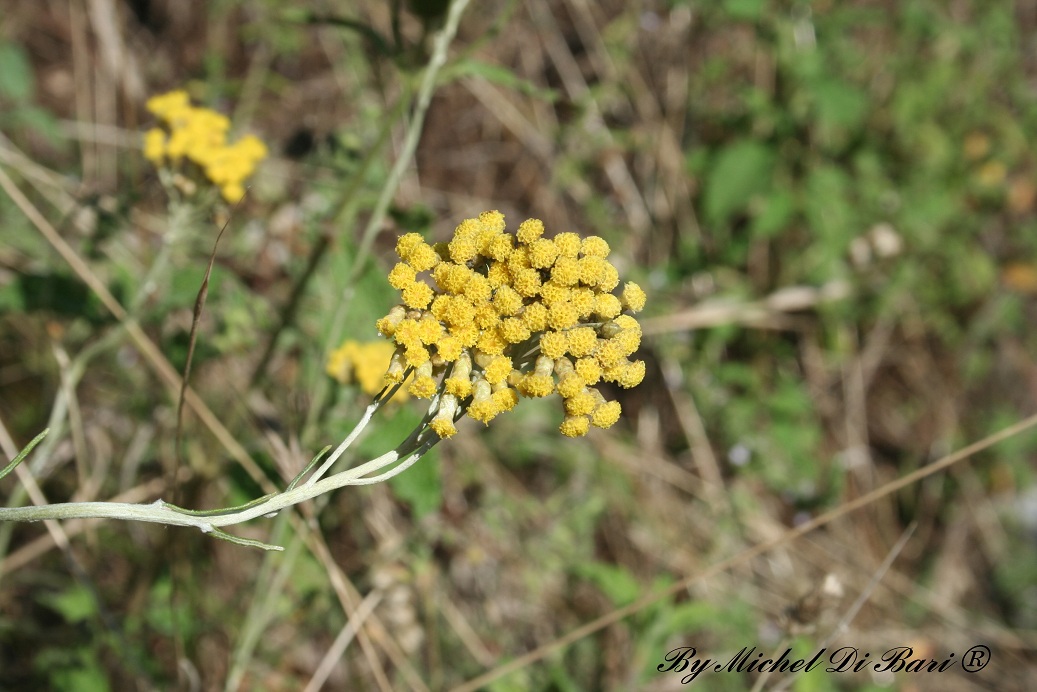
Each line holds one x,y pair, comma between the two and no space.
839,252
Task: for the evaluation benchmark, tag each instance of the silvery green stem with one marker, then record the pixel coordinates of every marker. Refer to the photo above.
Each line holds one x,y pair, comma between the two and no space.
340,450
159,512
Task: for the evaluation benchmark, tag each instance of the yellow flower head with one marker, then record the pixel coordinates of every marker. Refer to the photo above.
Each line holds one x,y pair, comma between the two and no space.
199,135
505,317
155,145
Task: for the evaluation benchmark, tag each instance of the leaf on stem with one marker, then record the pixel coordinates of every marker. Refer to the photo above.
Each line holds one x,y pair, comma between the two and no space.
24,453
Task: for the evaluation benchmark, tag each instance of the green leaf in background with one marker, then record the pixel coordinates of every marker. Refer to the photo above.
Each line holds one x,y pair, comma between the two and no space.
11,298
614,581
828,189
840,104
75,604
562,679
16,78
774,214
789,464
159,613
72,669
516,681
841,113
40,121
185,283
936,150
746,10
740,171
830,211
683,619
420,486
89,678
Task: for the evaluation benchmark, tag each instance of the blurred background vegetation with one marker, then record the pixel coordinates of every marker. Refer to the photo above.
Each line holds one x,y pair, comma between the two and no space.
831,204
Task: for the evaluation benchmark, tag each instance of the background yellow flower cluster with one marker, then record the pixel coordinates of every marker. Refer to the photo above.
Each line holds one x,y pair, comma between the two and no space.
363,363
200,136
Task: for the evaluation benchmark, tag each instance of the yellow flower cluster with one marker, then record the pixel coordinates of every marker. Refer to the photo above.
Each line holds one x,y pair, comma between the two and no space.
512,316
363,363
200,136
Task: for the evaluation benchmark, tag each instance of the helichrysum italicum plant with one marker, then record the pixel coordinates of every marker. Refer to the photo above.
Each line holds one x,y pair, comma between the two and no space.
199,136
484,321
492,317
